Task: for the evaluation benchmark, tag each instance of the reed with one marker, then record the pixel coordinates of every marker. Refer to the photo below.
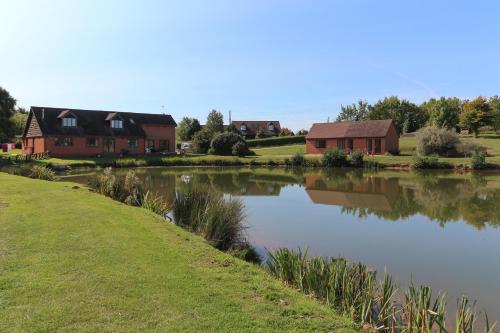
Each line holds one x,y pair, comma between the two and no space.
155,203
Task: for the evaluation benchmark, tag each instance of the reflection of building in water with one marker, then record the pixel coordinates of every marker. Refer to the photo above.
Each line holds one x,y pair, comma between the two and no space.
369,192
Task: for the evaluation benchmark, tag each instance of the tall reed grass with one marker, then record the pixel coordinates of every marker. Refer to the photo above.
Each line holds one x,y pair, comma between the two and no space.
353,290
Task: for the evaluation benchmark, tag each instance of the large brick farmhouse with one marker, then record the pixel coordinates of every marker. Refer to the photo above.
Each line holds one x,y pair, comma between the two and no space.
250,128
369,137
73,132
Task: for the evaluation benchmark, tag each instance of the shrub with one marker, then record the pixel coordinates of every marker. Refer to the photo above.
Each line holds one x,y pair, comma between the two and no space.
207,213
277,141
126,189
201,141
357,159
222,144
478,161
42,172
240,148
433,140
393,152
468,148
247,253
297,160
334,158
429,162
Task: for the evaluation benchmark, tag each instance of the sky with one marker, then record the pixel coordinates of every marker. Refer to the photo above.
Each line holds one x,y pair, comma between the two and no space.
292,61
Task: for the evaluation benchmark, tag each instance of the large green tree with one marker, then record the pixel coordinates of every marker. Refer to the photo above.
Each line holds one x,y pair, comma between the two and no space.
7,109
18,120
475,113
215,122
495,112
354,112
407,116
187,128
443,112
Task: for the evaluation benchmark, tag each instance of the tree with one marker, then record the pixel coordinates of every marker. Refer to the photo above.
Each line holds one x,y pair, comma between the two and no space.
302,132
215,122
187,128
443,112
407,116
286,132
223,144
201,141
7,109
233,129
354,112
475,113
19,119
495,112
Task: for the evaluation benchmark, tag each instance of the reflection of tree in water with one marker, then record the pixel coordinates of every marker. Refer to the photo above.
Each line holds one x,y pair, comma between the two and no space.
443,200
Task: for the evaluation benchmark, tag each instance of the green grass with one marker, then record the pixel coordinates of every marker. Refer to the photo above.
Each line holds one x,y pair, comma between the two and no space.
288,150
12,152
72,260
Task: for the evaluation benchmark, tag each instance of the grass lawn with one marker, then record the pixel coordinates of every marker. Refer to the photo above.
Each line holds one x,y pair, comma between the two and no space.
72,260
288,150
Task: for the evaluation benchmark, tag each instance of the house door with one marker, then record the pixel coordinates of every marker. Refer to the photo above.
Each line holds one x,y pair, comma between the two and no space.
108,145
378,146
369,145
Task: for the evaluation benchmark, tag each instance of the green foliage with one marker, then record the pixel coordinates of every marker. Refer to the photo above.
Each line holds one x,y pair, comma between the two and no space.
407,117
207,213
7,109
18,120
433,140
302,132
429,162
475,113
240,148
443,112
354,112
276,141
334,158
261,133
478,161
215,122
247,253
187,128
201,141
232,128
155,203
357,159
495,112
223,143
126,189
42,172
297,160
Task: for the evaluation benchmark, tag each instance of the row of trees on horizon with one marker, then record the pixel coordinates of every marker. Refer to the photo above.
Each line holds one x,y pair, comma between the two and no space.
445,112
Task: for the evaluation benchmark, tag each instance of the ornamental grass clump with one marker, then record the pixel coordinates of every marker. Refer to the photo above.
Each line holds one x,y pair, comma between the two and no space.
127,189
155,203
42,172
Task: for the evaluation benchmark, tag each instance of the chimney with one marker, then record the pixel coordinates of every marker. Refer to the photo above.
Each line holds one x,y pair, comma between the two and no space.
229,117
43,114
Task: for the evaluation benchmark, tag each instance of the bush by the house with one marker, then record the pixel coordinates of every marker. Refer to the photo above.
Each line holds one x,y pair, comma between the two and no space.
334,158
429,162
240,148
433,140
201,141
357,159
478,161
277,141
223,143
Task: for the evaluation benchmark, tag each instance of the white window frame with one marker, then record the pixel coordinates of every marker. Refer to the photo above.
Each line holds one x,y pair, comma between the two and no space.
243,127
116,123
69,122
271,127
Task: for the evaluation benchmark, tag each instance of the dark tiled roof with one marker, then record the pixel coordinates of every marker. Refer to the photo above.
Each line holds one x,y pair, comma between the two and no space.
93,122
350,129
254,125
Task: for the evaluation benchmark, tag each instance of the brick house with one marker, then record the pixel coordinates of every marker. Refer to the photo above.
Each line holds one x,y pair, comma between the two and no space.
368,136
250,128
73,132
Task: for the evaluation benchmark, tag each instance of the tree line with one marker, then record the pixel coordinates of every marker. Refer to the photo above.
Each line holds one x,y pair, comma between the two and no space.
445,112
12,117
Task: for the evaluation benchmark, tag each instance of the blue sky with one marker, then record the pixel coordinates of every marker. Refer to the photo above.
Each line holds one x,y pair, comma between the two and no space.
295,61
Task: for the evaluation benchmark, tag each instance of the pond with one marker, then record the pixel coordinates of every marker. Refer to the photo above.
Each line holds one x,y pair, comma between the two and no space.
436,228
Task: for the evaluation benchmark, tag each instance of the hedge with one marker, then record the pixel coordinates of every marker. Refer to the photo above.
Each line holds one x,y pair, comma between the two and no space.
277,141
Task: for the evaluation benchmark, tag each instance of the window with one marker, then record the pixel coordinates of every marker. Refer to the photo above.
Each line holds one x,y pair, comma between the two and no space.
132,143
243,127
369,145
65,142
350,144
108,145
270,127
150,144
116,123
378,146
163,146
321,143
69,122
341,144
92,142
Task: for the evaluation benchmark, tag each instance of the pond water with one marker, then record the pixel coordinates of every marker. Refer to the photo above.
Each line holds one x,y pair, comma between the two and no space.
436,228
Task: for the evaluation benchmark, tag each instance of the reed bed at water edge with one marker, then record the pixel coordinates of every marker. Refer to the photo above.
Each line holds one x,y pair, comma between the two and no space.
353,290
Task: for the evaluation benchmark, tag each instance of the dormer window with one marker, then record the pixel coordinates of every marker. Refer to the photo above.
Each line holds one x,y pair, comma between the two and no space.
270,127
116,123
243,127
69,122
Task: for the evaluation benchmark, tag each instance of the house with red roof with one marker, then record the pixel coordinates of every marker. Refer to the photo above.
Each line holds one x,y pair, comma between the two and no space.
368,136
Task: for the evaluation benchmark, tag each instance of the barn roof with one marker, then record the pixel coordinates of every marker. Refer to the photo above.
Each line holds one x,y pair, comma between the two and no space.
350,129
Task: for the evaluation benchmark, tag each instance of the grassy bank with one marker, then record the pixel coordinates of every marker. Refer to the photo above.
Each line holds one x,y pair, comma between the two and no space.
72,260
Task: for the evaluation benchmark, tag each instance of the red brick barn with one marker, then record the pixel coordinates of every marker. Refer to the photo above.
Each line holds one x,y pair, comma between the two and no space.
73,132
369,137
